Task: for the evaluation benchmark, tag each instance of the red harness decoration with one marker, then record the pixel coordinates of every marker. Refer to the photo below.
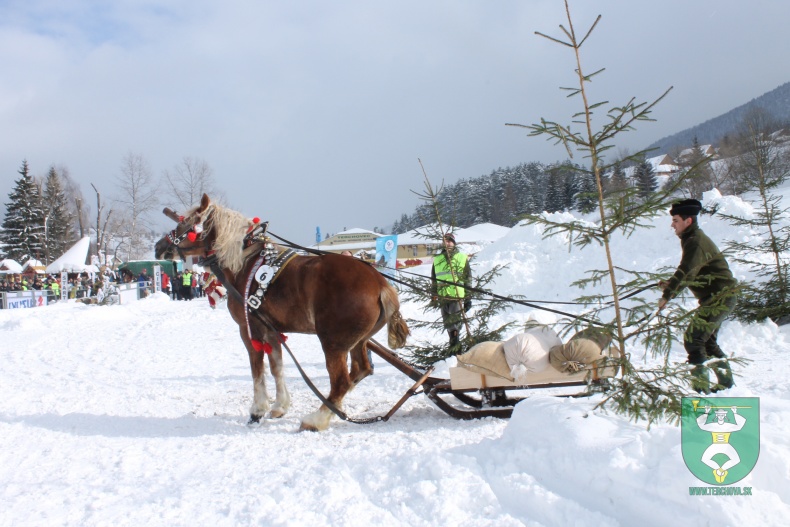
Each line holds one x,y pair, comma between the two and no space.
265,347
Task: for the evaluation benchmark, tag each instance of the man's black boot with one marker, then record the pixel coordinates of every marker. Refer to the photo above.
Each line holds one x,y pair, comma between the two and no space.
723,373
700,381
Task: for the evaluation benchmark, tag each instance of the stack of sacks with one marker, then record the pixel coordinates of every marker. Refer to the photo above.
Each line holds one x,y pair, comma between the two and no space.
533,351
515,358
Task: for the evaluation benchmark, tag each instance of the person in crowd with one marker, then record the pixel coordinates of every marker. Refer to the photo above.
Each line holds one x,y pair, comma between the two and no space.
186,284
347,253
450,276
704,270
196,290
165,284
55,287
142,283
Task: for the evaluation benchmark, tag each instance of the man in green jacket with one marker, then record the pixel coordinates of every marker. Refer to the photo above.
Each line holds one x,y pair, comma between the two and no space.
705,272
451,265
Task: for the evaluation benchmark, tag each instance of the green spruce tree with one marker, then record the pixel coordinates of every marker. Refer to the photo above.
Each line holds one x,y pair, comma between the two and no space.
475,323
649,393
23,225
58,217
645,179
763,165
617,181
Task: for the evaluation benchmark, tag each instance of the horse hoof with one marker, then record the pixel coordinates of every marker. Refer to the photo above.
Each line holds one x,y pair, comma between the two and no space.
254,420
277,413
308,428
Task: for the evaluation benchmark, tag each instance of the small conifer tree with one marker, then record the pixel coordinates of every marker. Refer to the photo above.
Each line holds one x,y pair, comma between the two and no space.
476,323
763,165
654,393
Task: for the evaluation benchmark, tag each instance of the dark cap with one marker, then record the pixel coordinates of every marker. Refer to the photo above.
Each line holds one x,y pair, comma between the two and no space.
449,237
687,207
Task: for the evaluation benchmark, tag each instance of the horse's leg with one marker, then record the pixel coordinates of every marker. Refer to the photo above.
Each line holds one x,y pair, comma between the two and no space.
337,366
282,401
260,399
360,365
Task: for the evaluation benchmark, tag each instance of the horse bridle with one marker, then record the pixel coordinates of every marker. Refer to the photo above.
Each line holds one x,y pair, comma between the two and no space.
196,229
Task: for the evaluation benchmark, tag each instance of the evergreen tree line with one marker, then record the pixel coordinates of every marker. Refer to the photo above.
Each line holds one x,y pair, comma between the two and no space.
508,194
47,215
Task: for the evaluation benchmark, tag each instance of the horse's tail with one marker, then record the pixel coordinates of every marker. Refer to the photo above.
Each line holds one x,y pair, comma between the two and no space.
397,330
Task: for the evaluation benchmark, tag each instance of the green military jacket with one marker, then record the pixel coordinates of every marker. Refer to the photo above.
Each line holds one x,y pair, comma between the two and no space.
702,268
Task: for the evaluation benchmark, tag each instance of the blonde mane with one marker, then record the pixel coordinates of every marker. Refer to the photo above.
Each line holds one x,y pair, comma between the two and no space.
229,227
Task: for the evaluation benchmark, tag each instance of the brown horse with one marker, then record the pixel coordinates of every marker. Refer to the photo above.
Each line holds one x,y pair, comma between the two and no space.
342,300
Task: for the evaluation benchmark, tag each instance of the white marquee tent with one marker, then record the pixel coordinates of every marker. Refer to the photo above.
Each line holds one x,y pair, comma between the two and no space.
73,260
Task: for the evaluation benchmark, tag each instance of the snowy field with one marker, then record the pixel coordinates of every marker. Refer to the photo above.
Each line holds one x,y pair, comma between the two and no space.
136,415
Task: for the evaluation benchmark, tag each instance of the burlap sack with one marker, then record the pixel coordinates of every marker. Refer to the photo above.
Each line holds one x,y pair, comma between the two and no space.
487,358
575,355
597,335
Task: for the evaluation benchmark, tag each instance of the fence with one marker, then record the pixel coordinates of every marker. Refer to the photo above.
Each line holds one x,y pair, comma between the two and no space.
129,292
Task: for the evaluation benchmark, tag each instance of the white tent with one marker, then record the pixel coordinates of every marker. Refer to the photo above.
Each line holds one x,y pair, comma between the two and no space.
73,260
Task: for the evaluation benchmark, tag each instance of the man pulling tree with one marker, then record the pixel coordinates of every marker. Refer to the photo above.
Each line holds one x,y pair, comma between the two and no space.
705,272
450,270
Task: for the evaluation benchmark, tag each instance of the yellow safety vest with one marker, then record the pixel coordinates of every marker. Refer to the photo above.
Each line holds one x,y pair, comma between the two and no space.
443,272
186,279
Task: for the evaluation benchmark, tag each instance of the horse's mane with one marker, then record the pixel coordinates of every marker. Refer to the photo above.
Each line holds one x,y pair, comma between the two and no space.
229,229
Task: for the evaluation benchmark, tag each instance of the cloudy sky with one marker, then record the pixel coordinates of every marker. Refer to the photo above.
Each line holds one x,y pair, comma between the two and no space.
314,113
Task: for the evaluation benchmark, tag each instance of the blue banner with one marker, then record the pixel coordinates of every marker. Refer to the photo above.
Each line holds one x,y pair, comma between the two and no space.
387,254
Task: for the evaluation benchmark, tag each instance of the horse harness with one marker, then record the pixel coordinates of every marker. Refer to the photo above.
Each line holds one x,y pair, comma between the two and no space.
264,271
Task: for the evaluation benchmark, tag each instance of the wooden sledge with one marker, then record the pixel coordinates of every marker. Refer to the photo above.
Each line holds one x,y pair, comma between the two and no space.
484,395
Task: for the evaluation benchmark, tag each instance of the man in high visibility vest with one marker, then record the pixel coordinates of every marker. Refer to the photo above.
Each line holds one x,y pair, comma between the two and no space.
186,284
55,286
450,276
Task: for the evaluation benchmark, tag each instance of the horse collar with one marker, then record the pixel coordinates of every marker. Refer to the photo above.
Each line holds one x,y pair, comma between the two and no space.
265,269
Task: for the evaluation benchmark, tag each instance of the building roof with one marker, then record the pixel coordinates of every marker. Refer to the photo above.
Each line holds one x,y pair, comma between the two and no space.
11,266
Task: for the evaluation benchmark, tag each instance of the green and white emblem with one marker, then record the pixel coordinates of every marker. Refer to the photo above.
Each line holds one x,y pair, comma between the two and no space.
720,437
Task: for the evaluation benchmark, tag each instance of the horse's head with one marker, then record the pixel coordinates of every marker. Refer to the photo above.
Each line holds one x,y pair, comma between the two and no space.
191,237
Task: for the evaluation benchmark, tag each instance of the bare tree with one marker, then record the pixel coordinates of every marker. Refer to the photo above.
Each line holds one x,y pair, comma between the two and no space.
101,227
188,181
138,197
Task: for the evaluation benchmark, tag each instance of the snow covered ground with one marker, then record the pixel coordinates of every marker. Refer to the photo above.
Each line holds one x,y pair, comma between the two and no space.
135,415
